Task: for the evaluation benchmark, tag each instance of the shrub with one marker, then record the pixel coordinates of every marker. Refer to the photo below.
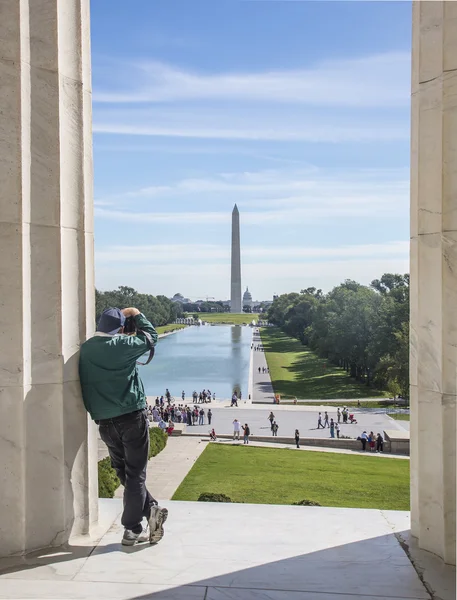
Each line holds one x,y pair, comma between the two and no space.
306,503
157,441
210,497
108,481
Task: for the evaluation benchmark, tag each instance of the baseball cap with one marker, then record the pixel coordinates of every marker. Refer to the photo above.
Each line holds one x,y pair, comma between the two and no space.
111,321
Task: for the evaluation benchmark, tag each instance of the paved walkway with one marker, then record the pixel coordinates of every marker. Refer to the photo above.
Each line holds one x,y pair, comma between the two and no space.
218,551
262,388
312,449
168,469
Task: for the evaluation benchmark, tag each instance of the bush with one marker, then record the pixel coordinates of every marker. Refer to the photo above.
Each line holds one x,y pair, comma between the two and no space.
157,441
209,497
306,503
108,481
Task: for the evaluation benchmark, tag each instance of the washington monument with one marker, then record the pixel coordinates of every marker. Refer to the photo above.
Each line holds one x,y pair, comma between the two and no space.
235,304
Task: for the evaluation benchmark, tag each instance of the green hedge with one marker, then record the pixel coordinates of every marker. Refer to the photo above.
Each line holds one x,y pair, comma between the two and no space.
157,441
108,481
211,497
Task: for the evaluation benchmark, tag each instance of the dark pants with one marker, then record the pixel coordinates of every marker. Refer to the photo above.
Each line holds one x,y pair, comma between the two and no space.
127,438
209,419
364,444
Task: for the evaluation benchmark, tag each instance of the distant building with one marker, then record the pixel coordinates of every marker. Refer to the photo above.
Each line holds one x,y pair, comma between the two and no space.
247,298
180,298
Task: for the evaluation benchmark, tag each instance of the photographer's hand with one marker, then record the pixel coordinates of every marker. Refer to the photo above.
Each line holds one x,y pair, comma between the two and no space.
130,312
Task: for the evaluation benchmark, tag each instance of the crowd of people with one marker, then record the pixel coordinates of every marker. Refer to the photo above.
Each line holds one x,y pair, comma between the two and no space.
264,370
374,442
200,397
167,414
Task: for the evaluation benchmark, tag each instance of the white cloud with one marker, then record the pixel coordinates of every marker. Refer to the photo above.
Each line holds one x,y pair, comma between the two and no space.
164,254
224,124
283,196
264,279
377,81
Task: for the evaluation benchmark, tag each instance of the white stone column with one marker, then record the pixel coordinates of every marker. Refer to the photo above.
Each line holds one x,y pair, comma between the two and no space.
48,477
434,276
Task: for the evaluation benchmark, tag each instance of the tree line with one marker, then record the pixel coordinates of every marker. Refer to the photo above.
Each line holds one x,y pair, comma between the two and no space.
363,329
159,310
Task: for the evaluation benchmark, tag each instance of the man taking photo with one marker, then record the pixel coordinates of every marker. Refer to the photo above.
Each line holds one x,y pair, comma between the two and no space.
114,396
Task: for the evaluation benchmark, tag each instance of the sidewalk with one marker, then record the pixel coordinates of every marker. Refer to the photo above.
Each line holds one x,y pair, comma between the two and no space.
312,449
169,467
262,388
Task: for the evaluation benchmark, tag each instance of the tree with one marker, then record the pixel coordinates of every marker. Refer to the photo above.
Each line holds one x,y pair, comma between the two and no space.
362,329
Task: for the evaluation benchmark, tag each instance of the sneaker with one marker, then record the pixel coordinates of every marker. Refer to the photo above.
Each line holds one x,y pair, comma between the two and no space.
156,520
130,538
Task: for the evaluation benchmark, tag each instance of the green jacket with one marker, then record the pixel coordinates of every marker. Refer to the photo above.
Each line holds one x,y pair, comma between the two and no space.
110,383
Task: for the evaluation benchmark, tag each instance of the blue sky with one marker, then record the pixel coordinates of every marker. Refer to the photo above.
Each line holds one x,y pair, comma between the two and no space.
296,111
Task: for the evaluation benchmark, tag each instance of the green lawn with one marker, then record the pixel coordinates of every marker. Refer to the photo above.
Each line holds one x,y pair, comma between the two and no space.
281,476
399,416
296,372
171,327
228,318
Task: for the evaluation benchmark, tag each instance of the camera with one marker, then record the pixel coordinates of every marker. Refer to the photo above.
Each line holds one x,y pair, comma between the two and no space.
129,325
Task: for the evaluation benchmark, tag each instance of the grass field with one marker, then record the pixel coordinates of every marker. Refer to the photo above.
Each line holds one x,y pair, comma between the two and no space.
171,327
400,416
281,476
228,318
296,372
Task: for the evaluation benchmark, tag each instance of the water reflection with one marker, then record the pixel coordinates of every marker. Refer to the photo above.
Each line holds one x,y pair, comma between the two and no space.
211,357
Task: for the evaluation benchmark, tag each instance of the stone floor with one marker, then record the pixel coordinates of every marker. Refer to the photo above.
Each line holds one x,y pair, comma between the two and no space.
231,552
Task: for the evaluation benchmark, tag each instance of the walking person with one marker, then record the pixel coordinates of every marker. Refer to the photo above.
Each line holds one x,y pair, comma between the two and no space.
332,428
113,394
319,421
210,416
338,414
271,418
201,417
236,429
275,428
326,423
246,433
297,438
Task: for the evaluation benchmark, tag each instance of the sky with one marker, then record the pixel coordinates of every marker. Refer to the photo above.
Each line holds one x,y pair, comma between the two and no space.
298,112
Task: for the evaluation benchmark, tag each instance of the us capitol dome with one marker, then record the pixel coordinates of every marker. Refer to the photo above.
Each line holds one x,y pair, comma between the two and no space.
247,298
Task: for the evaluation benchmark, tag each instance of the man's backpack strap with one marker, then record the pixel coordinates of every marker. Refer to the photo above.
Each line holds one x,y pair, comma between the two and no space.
151,347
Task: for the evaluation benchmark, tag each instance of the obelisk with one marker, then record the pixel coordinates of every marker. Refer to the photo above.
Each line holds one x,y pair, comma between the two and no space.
235,304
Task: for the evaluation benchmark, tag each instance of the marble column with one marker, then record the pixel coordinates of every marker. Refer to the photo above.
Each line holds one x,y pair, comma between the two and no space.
48,476
235,295
434,276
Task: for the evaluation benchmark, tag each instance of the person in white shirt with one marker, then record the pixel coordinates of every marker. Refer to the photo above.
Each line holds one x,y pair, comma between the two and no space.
364,440
236,429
